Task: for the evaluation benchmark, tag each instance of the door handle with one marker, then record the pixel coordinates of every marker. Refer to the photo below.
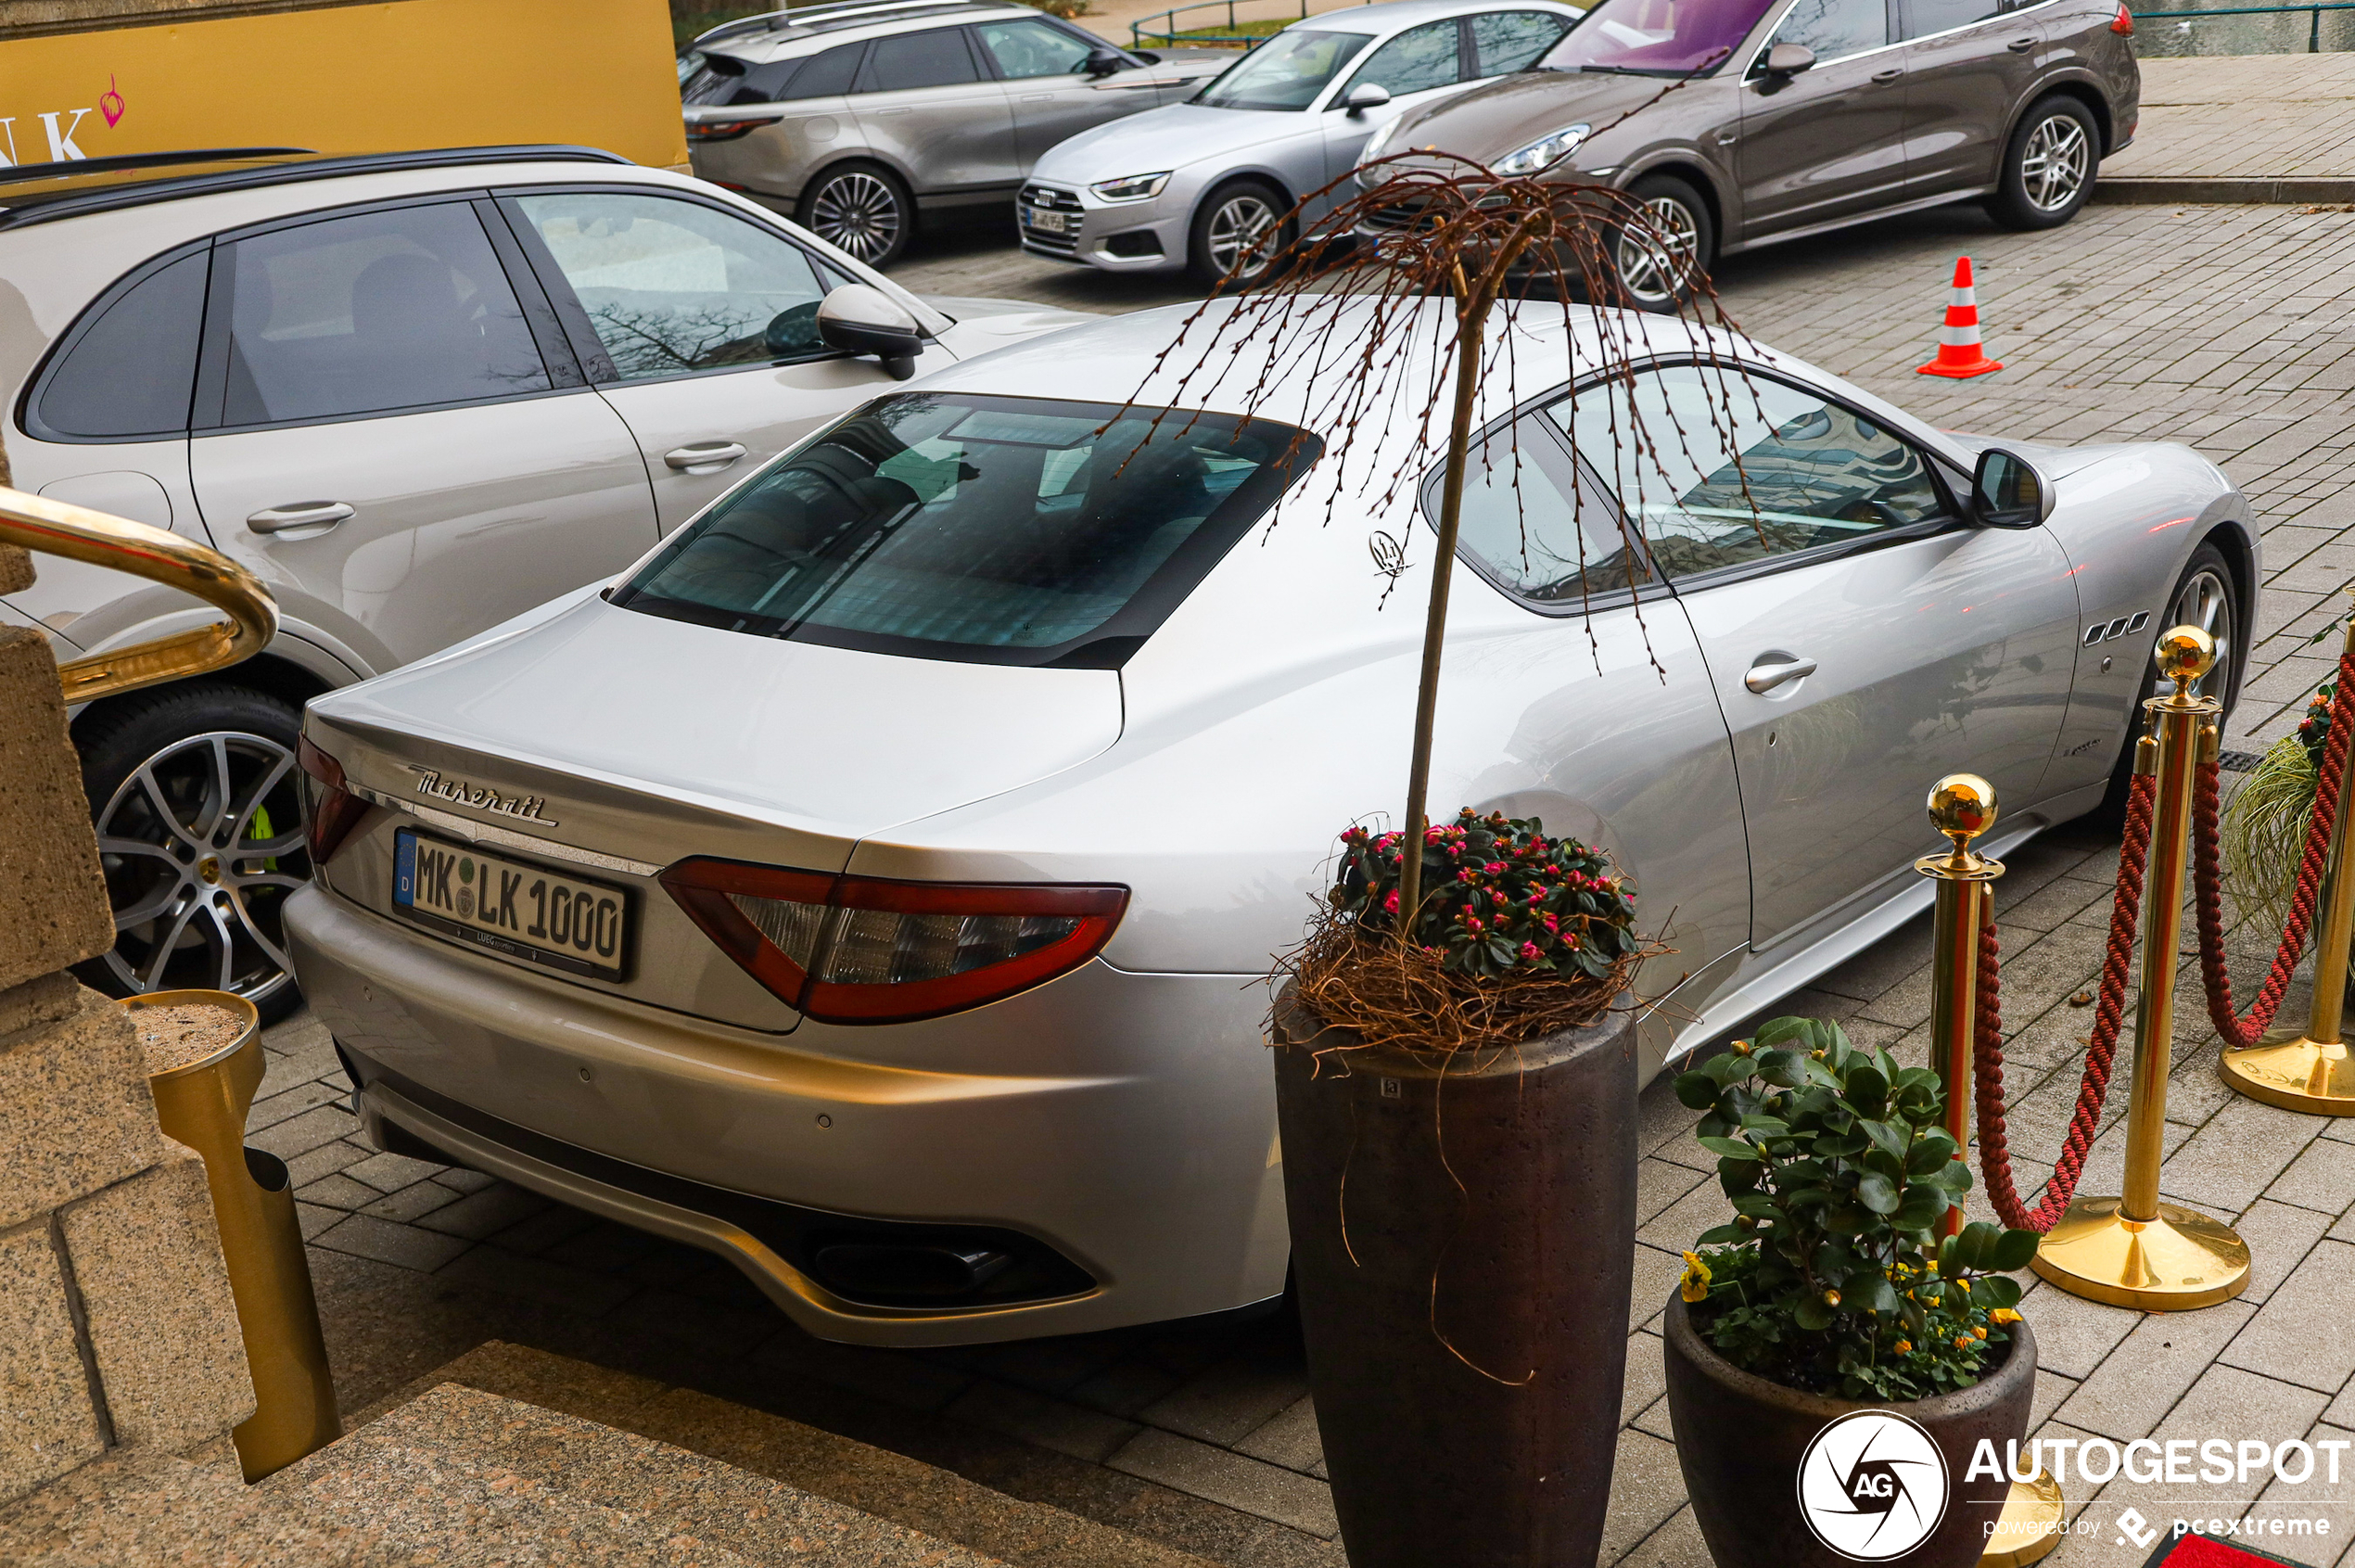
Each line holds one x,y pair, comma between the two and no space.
704,457
1888,75
1038,97
1766,677
2021,46
320,514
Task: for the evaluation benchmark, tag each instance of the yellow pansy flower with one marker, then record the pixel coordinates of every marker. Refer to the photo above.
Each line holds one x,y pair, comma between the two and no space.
1693,1284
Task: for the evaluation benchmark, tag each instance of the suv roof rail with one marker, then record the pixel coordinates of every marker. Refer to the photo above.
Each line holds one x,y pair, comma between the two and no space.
17,173
41,207
831,14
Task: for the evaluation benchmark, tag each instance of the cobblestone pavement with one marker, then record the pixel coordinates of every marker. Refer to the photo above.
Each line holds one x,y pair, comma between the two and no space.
2261,115
2223,326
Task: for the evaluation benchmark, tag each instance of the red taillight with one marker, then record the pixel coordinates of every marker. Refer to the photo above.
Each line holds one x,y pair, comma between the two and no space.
866,950
723,130
334,811
2123,23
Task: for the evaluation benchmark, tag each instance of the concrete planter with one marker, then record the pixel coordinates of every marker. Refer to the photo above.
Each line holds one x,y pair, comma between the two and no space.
1431,1461
1740,1440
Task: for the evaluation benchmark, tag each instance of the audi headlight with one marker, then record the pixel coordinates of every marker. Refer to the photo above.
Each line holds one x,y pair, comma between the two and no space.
1131,187
1542,153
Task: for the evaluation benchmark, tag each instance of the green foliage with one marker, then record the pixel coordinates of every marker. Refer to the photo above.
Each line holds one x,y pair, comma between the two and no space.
1830,1280
2264,828
1499,898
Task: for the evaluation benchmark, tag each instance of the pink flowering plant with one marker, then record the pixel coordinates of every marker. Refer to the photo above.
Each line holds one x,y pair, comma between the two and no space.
1501,899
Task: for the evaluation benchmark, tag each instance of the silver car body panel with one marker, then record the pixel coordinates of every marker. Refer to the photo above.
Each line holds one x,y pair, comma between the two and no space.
1122,1114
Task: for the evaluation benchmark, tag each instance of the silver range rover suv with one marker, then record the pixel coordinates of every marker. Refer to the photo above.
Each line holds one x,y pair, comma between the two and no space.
418,394
858,119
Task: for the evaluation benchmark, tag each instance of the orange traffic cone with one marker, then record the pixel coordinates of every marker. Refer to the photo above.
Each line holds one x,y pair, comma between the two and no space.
1960,352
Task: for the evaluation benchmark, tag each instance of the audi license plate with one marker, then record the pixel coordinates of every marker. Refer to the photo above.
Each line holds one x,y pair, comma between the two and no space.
512,908
1047,222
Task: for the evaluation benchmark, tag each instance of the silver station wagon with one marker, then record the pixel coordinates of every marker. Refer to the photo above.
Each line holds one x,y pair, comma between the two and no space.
858,119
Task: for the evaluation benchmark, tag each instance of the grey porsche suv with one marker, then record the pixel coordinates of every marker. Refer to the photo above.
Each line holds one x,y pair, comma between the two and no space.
1741,123
857,118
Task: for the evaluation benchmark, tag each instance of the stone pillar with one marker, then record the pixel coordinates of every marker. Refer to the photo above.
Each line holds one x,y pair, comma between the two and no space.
116,1322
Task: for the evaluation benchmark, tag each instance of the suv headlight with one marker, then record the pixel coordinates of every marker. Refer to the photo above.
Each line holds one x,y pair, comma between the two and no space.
1542,153
1131,187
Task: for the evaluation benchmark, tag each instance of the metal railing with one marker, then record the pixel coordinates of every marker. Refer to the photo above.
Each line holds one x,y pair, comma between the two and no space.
1141,36
80,534
2314,24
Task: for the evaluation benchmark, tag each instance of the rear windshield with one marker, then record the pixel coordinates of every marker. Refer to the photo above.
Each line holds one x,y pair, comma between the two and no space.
988,530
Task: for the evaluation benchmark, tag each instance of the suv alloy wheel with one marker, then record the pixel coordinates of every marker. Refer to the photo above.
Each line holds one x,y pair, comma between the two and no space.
2048,166
861,209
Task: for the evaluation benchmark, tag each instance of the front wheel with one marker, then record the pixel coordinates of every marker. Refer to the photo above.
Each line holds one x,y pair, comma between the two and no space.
1661,257
2205,596
862,210
199,806
1239,230
2048,166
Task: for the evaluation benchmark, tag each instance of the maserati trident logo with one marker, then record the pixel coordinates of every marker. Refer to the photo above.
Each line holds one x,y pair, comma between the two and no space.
1872,1485
480,797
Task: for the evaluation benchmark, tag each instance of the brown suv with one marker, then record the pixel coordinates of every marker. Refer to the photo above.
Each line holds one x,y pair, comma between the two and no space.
1740,123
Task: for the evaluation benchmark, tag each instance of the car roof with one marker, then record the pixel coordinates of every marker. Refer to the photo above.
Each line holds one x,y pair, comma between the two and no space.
36,193
771,37
1391,15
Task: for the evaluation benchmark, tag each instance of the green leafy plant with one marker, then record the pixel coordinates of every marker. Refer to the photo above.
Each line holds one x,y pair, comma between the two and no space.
1499,898
1831,1279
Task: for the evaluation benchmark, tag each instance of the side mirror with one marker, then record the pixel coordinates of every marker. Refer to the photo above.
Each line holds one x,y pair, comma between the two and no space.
1365,96
859,320
1788,59
1102,62
2008,491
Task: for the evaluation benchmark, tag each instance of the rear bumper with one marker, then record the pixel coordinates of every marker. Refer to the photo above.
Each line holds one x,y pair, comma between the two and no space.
1153,1171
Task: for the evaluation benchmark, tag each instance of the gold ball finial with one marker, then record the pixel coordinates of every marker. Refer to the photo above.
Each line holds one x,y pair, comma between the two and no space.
2185,654
1962,806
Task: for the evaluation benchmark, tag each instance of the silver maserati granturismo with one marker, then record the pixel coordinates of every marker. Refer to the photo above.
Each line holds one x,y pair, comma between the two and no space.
869,885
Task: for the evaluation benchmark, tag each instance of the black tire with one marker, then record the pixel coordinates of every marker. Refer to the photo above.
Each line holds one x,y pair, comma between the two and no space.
2206,593
862,210
2048,165
1230,218
153,765
1680,219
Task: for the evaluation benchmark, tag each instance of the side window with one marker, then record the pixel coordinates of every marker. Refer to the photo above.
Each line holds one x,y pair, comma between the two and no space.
938,58
1508,41
376,311
1031,48
1722,468
1834,28
1419,58
1521,525
1922,17
671,286
827,75
131,371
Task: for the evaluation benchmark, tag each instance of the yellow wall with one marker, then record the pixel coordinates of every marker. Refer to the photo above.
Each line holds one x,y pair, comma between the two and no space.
371,78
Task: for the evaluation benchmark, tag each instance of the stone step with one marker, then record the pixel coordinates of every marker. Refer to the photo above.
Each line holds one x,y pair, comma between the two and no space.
139,1507
873,1482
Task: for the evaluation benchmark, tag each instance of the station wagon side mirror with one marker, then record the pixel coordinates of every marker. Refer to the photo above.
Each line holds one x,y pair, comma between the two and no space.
1788,59
1101,62
859,320
1365,96
2008,491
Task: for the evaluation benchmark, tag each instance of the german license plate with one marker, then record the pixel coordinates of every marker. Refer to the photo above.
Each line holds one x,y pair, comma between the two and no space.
512,908
1046,222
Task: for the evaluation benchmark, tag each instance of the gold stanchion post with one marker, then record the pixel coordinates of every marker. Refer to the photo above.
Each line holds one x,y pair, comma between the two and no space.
2134,1250
2307,1069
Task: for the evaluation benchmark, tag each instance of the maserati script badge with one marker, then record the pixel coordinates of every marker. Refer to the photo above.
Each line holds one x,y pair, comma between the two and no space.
458,792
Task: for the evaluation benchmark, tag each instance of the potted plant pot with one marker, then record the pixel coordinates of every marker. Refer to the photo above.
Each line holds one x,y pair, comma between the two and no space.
1467,1344
1739,1441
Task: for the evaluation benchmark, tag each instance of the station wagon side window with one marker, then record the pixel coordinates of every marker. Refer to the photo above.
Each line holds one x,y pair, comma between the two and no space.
1421,58
1531,528
1723,469
129,367
673,287
370,313
938,58
1510,41
1834,29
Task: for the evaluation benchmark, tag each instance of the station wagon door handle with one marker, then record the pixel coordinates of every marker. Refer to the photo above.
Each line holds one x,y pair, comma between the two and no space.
2021,46
704,457
1766,677
320,514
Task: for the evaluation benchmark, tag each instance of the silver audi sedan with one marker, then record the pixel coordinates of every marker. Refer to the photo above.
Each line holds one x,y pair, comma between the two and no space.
1193,185
869,885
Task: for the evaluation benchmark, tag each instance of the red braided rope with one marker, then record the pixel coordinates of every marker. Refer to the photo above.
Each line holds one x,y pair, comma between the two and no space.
1995,1152
2209,881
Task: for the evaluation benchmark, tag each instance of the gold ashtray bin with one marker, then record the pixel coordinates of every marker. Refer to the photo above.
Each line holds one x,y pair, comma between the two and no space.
204,1105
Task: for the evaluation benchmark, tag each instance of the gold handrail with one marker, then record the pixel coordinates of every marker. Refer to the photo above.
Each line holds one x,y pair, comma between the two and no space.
57,528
